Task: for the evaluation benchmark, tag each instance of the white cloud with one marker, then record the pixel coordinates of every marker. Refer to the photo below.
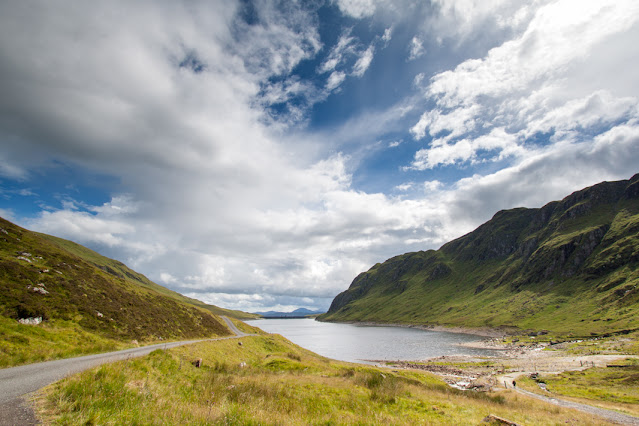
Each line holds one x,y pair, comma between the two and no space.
337,54
364,61
404,186
457,122
461,18
550,173
81,226
334,80
432,185
533,83
9,215
544,52
284,91
416,48
357,8
279,41
388,35
443,153
167,278
596,109
12,171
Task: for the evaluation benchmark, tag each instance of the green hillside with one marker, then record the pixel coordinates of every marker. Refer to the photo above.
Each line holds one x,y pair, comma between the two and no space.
571,266
120,270
86,302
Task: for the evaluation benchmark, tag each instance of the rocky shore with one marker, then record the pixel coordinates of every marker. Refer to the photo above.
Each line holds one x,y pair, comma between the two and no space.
515,359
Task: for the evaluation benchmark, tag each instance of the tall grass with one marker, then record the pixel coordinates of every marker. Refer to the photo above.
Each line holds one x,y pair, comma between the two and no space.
243,385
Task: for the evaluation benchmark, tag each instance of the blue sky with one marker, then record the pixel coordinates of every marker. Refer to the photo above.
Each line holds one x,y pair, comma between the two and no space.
259,154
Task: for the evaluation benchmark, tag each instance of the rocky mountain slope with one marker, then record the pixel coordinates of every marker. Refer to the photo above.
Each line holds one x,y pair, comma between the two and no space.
64,299
571,266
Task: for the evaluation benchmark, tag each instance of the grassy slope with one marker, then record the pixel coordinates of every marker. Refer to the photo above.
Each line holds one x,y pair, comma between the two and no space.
89,303
280,384
571,267
120,270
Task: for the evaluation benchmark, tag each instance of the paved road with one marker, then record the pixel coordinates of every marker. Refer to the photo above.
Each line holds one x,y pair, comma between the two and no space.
16,382
234,329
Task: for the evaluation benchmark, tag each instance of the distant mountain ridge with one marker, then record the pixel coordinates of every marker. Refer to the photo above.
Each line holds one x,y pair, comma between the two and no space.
297,313
571,266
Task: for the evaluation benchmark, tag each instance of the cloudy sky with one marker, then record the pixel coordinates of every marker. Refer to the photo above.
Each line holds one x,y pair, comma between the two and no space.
260,154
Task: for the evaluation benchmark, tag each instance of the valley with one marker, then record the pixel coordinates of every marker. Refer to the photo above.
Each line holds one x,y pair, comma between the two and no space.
551,292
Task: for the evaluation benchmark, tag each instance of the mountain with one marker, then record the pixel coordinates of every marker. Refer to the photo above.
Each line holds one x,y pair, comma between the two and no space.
571,266
297,313
58,298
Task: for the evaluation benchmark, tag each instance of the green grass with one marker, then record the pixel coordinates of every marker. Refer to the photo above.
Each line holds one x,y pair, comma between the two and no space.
610,387
24,344
621,344
268,380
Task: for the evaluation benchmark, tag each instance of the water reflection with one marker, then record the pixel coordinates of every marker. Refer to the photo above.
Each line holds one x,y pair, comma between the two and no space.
355,343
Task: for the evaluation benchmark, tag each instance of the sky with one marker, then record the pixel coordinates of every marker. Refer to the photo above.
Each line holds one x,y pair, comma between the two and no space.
259,155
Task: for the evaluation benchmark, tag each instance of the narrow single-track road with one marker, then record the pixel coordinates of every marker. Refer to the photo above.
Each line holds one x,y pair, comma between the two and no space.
609,415
17,382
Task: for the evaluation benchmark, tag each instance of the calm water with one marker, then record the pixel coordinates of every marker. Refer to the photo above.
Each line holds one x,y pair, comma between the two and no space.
357,343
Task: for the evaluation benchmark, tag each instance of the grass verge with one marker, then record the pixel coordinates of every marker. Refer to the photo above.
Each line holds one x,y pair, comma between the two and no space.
25,344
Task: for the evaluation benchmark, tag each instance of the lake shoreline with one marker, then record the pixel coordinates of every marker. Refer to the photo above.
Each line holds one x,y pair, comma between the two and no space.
484,332
355,342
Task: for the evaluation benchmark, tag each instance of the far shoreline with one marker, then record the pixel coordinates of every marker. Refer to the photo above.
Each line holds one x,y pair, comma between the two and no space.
485,332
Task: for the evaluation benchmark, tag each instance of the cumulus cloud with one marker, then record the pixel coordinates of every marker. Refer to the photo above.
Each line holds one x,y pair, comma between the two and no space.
533,83
456,122
599,108
432,185
550,173
444,153
170,111
215,199
544,52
